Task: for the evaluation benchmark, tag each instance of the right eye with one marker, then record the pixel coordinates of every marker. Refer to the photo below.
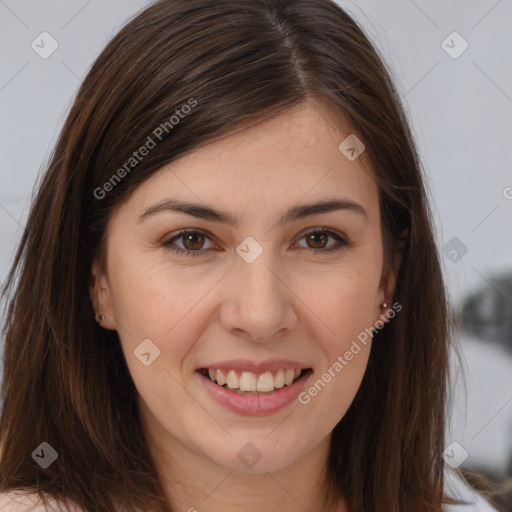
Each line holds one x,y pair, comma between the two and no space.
192,240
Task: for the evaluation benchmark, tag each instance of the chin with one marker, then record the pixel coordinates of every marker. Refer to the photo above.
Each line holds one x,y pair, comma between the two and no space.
256,453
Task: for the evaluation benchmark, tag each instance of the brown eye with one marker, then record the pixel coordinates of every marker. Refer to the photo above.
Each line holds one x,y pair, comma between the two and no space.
317,239
193,240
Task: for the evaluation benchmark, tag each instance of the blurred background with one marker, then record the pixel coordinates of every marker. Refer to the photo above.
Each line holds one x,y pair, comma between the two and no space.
451,62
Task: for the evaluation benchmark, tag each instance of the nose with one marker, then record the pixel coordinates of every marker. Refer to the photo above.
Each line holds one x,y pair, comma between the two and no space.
259,303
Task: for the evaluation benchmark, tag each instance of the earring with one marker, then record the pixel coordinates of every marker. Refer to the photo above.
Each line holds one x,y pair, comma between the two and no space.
384,305
99,318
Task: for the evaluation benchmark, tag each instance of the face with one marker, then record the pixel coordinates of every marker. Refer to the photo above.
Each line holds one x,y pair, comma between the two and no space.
266,297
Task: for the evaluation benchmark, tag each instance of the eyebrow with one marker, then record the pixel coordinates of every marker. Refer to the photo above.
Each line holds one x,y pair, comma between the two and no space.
295,213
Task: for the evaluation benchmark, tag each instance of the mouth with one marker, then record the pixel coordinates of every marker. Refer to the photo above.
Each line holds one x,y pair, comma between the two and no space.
252,383
251,388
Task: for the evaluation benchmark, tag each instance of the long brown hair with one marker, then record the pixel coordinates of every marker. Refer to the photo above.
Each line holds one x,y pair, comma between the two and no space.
241,61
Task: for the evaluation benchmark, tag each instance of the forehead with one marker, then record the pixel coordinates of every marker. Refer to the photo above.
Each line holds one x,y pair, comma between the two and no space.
307,134
278,162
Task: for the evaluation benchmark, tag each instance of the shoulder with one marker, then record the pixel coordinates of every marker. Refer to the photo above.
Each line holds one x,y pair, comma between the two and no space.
456,487
18,501
25,501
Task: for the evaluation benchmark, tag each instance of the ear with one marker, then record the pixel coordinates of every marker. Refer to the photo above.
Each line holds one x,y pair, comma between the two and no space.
101,299
388,278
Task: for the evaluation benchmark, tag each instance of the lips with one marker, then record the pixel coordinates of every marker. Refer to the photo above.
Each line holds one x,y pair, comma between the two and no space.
252,388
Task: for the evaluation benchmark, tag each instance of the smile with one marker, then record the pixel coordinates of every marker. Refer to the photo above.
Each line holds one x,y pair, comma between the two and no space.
251,389
253,383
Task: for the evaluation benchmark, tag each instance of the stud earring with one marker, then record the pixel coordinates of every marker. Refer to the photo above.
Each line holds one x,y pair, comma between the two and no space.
384,305
99,318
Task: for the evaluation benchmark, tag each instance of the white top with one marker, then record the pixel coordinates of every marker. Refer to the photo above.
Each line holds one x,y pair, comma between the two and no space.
457,488
18,501
21,501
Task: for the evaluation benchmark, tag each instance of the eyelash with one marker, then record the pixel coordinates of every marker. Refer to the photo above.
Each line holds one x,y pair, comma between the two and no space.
342,242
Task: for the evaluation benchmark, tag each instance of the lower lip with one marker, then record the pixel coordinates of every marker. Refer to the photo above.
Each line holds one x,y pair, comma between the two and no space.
255,405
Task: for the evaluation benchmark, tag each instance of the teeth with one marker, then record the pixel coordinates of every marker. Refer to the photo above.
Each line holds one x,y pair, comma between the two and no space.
252,382
279,379
221,378
265,382
232,380
247,381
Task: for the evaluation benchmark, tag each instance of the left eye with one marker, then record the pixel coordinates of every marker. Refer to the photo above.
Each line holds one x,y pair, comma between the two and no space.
193,241
318,237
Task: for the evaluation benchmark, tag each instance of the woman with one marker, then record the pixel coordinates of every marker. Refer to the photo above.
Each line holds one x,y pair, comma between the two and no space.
228,294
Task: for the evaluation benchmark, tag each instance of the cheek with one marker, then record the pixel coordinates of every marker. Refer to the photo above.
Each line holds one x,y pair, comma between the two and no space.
151,300
330,393
153,315
154,303
343,299
345,342
344,302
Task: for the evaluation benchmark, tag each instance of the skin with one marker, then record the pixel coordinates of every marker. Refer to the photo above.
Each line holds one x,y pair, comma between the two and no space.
291,303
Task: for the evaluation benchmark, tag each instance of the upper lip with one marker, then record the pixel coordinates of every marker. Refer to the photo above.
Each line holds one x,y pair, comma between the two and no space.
251,366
